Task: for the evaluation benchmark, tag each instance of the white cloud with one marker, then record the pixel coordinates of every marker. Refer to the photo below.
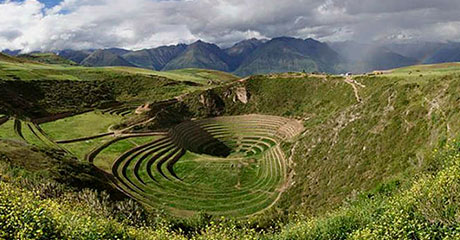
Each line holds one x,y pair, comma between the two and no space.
139,24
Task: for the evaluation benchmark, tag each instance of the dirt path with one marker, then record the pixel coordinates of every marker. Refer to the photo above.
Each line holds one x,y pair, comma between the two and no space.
243,79
124,130
84,138
355,85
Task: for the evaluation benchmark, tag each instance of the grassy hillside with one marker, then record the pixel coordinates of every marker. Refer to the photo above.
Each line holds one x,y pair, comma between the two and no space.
60,88
428,208
375,157
12,68
200,76
353,142
426,69
11,59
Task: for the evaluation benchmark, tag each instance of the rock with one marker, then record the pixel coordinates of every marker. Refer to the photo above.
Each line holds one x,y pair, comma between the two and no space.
242,95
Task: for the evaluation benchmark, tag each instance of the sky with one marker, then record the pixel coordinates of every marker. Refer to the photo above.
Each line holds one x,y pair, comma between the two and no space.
44,25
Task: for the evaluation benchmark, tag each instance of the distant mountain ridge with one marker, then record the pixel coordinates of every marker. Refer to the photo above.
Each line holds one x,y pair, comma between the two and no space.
289,54
155,58
243,49
201,55
106,57
282,54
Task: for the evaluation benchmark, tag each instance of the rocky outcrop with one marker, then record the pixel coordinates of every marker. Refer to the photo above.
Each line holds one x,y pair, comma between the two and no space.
241,94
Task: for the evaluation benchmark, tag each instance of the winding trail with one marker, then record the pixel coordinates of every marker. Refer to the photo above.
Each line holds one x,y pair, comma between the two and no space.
354,84
84,138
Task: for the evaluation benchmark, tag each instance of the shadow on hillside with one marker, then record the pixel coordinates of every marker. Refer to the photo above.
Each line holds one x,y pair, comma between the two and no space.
192,137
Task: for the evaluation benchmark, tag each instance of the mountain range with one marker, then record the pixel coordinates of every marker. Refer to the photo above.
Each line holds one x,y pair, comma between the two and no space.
282,54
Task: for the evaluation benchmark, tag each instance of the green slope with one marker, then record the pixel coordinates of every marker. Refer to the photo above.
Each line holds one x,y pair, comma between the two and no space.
12,68
11,59
350,146
200,76
378,160
57,88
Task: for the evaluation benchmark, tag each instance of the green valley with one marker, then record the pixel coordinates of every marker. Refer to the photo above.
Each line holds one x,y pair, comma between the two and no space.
129,153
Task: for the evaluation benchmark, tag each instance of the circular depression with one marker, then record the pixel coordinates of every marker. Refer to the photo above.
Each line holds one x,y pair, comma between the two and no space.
224,166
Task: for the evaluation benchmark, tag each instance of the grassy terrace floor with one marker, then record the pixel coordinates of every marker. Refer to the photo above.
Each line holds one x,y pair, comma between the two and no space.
82,125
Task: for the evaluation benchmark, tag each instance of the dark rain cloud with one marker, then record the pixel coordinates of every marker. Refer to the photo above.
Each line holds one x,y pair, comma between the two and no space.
135,24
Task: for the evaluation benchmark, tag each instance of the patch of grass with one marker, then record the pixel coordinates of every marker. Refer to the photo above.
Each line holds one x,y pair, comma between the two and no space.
7,131
21,162
82,125
80,149
426,69
201,76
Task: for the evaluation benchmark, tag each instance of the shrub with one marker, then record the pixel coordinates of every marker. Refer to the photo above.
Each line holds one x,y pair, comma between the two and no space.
21,218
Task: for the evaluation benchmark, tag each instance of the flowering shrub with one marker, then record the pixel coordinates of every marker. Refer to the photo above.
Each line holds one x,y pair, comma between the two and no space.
21,218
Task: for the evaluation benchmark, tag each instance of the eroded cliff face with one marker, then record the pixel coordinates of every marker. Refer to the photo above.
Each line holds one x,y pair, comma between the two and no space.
224,100
221,101
212,103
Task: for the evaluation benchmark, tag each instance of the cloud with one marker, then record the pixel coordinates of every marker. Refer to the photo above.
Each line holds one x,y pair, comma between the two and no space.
136,24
